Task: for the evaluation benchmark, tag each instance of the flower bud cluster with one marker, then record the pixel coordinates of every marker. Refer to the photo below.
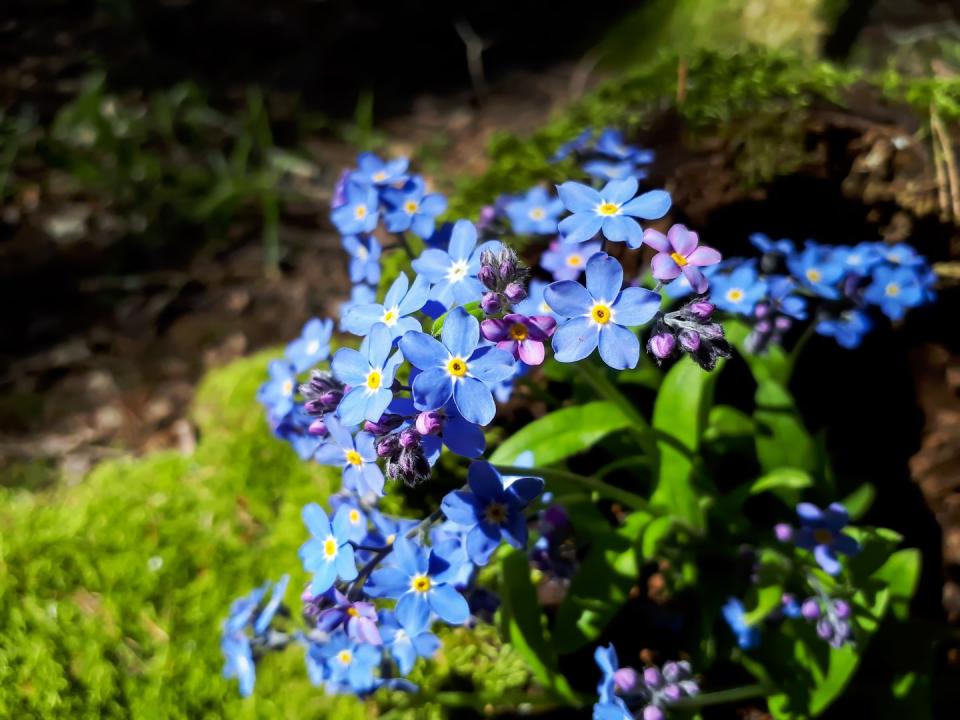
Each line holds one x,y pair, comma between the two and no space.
504,277
689,330
832,617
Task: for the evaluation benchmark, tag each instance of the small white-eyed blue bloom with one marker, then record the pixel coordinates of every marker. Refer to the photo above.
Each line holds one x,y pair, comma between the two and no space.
611,211
369,373
401,300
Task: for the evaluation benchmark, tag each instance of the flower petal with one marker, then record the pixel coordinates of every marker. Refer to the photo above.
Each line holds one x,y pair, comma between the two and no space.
619,191
423,351
350,366
682,240
703,256
619,347
580,227
474,401
663,267
623,228
449,604
650,206
657,240
575,339
461,333
463,239
316,520
578,198
568,298
432,389
604,278
635,306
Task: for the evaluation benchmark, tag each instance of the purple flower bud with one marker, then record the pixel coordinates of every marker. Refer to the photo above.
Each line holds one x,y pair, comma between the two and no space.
507,269
689,340
652,677
711,331
388,446
429,423
318,428
661,345
409,438
841,633
842,609
810,609
672,693
515,292
672,672
652,712
690,688
824,629
761,310
762,327
625,680
488,277
487,215
701,309
386,424
783,323
783,532
490,303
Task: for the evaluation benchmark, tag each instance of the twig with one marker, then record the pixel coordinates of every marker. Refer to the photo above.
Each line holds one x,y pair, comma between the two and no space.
953,175
475,45
940,168
681,81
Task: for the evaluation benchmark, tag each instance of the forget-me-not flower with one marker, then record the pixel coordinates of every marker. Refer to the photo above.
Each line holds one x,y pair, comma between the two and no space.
819,269
412,208
369,373
894,290
566,262
356,455
848,328
456,367
738,291
599,314
748,636
312,346
360,210
453,271
406,644
401,301
328,553
679,251
376,171
820,532
278,392
535,213
364,251
349,665
611,211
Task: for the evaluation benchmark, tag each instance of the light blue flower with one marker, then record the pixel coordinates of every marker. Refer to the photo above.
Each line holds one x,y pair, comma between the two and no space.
328,553
356,455
748,636
610,211
401,301
862,258
359,295
278,392
360,212
456,367
364,251
848,328
313,345
894,290
566,262
738,291
369,373
819,269
453,272
412,209
373,170
406,644
349,665
599,314
536,213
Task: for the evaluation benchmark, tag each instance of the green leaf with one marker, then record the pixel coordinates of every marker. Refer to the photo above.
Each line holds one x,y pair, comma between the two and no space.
859,501
769,599
655,534
523,624
473,308
785,478
727,421
782,440
562,433
679,417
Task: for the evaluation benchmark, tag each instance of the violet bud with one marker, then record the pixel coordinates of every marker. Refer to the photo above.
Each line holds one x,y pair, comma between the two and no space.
783,532
386,424
388,446
672,693
761,310
487,215
515,292
689,340
507,269
783,323
762,327
810,609
652,712
701,309
661,345
318,428
842,609
409,438
490,303
652,677
488,277
690,688
711,331
429,423
625,679
672,672
824,629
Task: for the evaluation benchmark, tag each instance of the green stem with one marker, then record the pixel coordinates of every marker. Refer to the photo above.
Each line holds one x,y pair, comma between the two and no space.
721,696
599,381
802,341
590,483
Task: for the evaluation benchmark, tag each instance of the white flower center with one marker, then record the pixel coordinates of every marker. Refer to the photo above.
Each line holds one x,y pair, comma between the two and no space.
312,347
458,271
390,316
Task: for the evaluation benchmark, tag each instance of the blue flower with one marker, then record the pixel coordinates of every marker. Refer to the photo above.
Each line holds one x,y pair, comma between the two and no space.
412,208
534,304
375,171
819,269
278,392
359,295
445,426
611,211
780,293
748,636
454,271
359,213
820,532
536,213
364,251
612,144
238,661
235,641
604,169
894,290
358,619
357,456
369,373
609,705
848,328
406,644
355,514
764,244
328,554
600,314
456,367
401,300
312,346
566,262
419,580
491,512
571,146
738,291
901,254
861,258
349,665
388,528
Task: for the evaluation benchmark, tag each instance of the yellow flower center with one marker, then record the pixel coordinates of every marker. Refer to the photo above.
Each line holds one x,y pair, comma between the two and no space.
544,308
892,290
537,213
330,548
360,212
380,176
822,537
601,314
496,513
345,657
420,583
353,457
354,516
411,206
457,367
679,259
390,317
734,294
353,612
287,388
519,332
374,379
813,275
608,209
390,538
574,260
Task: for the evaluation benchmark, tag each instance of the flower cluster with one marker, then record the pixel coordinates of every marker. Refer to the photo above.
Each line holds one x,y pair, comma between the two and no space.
624,690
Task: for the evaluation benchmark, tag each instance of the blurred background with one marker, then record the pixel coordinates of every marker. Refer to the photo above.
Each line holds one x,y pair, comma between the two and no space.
165,174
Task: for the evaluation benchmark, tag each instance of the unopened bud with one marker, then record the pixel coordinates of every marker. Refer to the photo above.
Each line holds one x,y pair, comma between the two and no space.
409,438
429,423
661,345
652,712
488,277
507,269
842,609
783,532
490,303
652,677
388,446
386,424
515,292
672,693
318,428
711,331
810,609
689,340
701,309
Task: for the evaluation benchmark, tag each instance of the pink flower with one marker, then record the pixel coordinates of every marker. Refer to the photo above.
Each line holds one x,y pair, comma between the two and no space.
519,335
679,251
